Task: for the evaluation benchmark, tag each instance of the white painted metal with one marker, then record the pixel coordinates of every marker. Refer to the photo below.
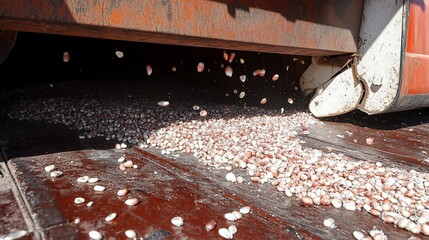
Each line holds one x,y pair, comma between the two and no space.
338,96
378,69
380,39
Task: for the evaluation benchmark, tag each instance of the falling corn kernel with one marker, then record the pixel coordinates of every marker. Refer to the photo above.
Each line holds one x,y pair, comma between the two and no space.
243,78
242,94
66,57
225,56
231,57
275,77
200,67
119,54
228,71
148,69
256,72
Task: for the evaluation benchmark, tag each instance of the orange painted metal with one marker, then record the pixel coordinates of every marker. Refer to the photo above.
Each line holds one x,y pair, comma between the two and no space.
321,27
416,64
416,74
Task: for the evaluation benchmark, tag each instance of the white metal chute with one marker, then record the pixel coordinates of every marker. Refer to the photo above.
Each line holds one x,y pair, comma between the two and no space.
339,95
379,68
373,83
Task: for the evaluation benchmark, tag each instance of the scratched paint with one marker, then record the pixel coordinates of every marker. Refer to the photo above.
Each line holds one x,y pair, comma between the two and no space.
415,61
308,27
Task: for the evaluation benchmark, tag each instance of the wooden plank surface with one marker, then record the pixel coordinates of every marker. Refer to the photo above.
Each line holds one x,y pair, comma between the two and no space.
165,187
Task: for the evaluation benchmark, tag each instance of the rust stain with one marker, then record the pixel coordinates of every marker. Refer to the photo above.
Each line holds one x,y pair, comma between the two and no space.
314,25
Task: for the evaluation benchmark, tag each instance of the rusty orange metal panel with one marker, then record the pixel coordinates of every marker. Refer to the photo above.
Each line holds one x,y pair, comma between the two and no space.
280,26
